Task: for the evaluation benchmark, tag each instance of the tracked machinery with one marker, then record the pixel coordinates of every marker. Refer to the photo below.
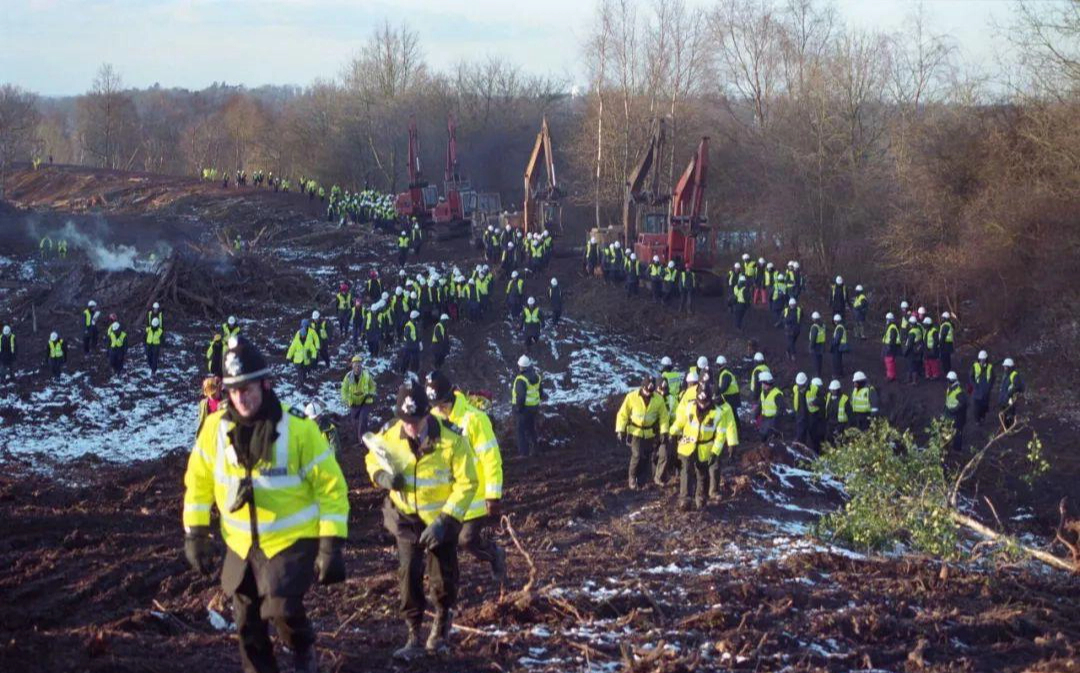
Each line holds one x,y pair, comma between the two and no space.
454,213
418,201
683,234
541,207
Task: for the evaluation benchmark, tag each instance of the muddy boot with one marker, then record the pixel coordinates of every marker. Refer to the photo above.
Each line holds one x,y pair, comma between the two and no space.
411,650
684,506
498,565
699,502
438,642
306,662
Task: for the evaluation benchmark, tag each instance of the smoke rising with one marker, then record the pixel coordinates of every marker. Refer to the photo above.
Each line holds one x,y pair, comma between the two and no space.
101,255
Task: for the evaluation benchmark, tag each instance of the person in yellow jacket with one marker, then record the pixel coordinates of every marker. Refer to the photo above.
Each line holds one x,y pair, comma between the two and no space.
451,405
284,510
643,417
703,430
303,350
429,471
358,394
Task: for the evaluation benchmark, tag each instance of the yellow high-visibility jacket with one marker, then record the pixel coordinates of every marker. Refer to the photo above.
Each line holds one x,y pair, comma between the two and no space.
357,391
440,478
706,436
303,350
640,419
476,427
300,494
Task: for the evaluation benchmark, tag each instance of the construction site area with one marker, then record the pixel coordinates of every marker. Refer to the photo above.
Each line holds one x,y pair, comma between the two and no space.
600,577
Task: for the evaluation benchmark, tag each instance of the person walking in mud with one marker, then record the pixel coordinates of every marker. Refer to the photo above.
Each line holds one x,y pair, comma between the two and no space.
428,471
284,510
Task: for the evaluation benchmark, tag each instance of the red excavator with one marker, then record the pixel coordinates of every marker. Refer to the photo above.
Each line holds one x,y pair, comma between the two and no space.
454,210
686,236
421,197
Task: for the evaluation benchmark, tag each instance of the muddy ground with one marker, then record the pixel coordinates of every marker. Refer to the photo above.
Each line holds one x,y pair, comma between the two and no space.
93,577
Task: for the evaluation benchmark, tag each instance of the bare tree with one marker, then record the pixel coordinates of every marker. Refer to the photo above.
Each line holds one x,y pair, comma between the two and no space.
750,37
107,120
1047,37
18,125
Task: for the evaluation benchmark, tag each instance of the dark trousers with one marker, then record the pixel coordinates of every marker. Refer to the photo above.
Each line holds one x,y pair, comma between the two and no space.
254,609
7,370
792,338
153,352
438,354
373,344
301,373
686,301
359,417
116,359
981,406
640,460
740,313
946,359
440,564
90,338
665,452
817,357
475,539
409,360
56,365
767,428
802,430
958,426
343,322
705,475
526,431
837,364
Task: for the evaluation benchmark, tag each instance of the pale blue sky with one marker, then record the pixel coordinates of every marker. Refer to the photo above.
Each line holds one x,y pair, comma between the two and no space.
55,46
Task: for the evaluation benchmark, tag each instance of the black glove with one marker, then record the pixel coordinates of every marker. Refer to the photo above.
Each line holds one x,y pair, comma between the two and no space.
199,549
494,508
330,563
435,533
395,482
621,436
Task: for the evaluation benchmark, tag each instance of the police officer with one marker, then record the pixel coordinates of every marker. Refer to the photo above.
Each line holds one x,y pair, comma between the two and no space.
284,510
429,472
642,417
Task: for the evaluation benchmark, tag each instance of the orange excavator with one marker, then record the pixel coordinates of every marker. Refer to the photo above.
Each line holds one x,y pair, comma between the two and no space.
542,209
685,236
646,209
420,198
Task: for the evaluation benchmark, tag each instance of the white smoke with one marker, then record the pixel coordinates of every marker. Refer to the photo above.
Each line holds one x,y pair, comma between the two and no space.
102,256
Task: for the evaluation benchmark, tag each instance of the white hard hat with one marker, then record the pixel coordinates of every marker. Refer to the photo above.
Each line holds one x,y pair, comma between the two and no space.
618,245
837,318
401,273
531,301
156,306
403,232
800,379
764,377
945,315
514,274
665,361
91,303
510,246
839,280
745,256
633,257
702,362
742,277
816,382
115,326
792,302
922,310
232,320
655,258
721,360
554,282
834,385
858,288
815,316
794,265
760,260
314,315
983,355
927,321
738,266
692,377
1008,362
444,317
385,295
592,239
890,316
904,305
759,357
52,337
155,322
859,376
413,315
913,320
398,291
524,361
769,265
951,376
7,330
790,263
313,409
671,264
